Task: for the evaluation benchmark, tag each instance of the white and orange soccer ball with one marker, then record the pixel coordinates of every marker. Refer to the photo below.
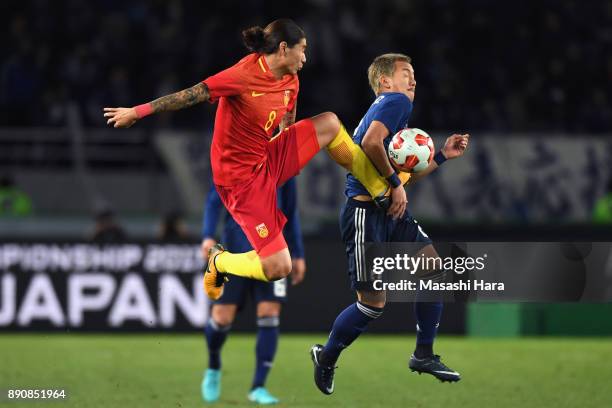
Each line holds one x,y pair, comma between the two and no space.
411,150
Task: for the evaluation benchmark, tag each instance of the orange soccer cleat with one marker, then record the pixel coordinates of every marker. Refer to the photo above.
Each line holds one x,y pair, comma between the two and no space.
213,279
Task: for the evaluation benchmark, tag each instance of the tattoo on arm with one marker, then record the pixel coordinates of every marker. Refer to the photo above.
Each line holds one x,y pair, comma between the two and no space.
182,99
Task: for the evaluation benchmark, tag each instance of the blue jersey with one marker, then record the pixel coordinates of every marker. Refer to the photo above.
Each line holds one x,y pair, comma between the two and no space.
392,109
232,235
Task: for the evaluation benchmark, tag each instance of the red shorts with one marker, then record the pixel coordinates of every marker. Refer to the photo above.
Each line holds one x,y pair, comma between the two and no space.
253,204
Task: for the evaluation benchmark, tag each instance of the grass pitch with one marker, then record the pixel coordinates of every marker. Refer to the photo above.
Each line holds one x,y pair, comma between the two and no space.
154,370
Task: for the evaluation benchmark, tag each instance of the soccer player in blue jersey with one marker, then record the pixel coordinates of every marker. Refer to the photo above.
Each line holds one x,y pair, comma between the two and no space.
268,295
391,77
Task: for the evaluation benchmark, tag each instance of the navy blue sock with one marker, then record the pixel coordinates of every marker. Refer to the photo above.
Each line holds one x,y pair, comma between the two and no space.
267,341
428,319
215,337
348,326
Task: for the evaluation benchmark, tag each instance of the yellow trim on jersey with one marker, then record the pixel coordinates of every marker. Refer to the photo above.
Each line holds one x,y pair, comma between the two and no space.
261,64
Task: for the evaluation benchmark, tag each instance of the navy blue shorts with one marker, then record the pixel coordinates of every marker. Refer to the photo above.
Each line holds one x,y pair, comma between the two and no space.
362,222
237,290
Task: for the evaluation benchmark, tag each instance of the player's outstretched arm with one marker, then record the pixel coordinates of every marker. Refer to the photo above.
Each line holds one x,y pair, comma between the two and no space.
293,229
212,214
126,117
454,147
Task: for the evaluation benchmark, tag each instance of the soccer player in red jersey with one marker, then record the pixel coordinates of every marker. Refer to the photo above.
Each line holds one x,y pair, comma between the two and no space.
256,96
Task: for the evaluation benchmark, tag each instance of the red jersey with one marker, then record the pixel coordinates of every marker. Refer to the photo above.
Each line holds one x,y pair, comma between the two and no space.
251,104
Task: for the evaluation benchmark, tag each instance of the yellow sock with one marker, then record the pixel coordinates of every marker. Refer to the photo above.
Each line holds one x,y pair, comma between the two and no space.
246,264
350,156
404,177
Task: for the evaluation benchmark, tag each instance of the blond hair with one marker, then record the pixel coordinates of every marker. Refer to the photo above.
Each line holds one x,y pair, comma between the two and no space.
384,65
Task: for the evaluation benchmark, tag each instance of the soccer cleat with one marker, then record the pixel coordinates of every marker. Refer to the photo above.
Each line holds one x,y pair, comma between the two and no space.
323,375
432,365
213,279
262,396
211,385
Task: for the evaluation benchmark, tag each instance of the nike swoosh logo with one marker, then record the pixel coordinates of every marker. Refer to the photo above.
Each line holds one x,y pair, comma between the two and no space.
256,94
447,372
329,389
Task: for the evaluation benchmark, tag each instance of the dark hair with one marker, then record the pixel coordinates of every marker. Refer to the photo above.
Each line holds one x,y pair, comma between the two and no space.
266,40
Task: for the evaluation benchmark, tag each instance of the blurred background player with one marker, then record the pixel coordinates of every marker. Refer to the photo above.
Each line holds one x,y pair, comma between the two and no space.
107,228
256,96
173,228
392,79
268,296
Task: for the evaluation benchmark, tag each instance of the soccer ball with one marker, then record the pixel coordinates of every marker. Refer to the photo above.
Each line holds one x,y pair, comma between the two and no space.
411,150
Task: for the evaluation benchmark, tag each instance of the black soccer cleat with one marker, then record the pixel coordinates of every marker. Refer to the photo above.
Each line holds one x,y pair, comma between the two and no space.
323,375
432,365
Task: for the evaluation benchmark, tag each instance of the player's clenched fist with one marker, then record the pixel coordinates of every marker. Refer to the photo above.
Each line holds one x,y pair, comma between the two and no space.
120,117
455,145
